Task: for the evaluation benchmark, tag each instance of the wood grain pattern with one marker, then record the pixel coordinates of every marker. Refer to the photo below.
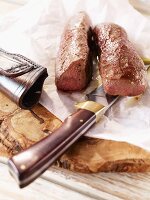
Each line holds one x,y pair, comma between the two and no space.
126,186
95,155
41,189
48,150
21,128
60,184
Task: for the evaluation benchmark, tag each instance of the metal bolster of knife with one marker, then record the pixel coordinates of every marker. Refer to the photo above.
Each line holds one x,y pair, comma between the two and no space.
92,106
97,102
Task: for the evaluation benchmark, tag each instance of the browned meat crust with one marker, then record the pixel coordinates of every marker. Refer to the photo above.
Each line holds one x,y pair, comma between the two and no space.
121,68
74,60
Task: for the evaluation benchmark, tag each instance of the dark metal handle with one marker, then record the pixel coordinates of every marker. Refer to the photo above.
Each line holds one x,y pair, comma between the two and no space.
31,163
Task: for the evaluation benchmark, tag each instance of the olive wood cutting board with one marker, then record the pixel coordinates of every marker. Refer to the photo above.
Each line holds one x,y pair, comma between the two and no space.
21,128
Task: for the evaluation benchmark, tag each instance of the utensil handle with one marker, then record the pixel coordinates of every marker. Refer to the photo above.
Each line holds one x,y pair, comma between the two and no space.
26,166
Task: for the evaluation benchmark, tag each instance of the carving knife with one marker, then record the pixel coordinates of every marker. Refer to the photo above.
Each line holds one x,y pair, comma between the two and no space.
26,166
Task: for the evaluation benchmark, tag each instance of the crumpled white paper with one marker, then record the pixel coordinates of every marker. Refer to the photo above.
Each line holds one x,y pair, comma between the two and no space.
35,31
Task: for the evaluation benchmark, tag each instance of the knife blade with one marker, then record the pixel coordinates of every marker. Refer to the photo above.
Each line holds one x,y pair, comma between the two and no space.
28,165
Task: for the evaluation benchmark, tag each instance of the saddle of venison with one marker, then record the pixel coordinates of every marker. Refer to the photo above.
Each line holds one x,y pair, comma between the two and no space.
74,61
121,68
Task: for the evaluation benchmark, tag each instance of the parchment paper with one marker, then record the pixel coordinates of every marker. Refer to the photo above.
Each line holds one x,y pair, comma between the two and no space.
35,31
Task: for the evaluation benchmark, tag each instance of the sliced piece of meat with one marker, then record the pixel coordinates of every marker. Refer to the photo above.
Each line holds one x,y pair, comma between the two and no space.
74,60
121,68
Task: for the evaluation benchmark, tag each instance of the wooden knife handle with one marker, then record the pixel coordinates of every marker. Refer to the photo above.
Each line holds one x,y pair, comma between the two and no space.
26,166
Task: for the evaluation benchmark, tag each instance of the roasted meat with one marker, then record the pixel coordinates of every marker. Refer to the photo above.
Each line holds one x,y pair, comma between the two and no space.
121,68
74,60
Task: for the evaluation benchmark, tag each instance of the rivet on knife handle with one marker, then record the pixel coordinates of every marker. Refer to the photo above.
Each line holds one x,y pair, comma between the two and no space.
31,163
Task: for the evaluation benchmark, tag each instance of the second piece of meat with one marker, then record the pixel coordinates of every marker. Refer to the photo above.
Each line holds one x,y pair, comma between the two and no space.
121,68
74,61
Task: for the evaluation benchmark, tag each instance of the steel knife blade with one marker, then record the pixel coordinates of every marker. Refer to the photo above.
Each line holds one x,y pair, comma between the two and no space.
26,166
99,99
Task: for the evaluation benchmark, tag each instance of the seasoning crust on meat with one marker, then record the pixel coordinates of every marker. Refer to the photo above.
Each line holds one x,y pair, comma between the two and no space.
121,68
74,60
